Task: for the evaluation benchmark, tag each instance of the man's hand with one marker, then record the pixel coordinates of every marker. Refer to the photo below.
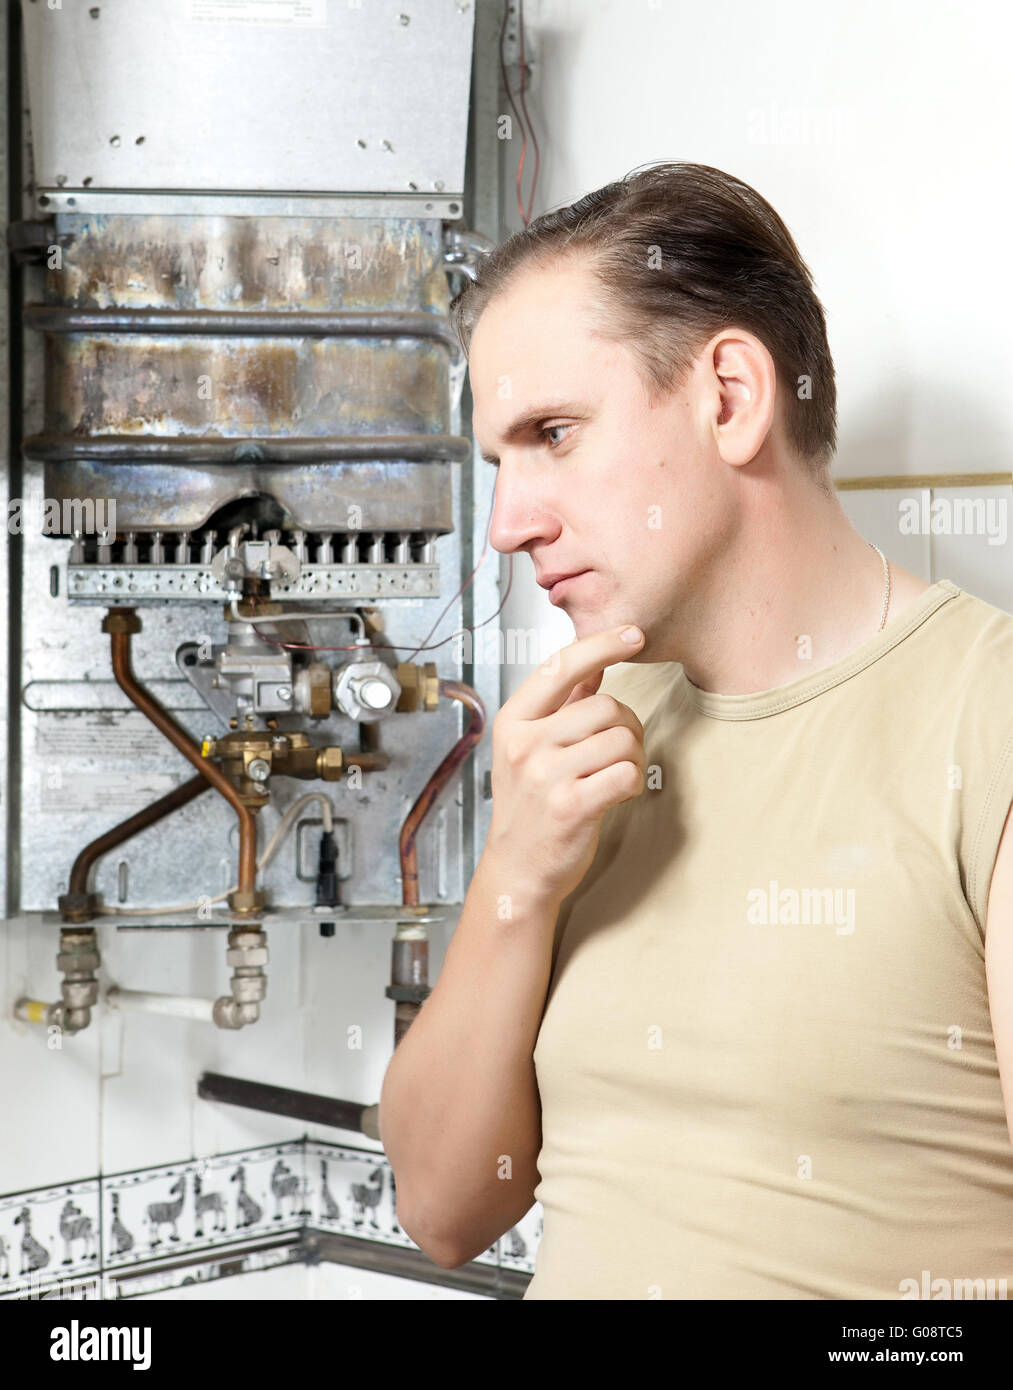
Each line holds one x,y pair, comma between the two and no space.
562,755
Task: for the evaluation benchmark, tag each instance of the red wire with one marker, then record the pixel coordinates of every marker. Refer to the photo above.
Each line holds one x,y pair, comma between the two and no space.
525,217
534,140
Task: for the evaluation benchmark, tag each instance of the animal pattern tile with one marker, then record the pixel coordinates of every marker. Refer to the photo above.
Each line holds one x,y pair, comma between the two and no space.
49,1235
68,1236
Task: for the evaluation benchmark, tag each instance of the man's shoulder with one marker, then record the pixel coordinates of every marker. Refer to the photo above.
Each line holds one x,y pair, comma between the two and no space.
978,633
959,670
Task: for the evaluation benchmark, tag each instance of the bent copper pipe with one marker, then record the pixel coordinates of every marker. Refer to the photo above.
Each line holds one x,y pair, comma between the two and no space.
454,690
133,825
177,735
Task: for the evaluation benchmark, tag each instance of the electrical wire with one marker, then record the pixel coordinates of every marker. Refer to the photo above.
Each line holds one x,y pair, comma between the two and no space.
524,214
534,139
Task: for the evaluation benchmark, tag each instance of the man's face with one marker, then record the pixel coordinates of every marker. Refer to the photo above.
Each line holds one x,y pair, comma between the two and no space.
600,484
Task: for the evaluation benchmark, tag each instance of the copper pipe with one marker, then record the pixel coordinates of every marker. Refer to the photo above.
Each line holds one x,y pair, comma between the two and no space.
177,735
179,796
370,757
369,762
454,690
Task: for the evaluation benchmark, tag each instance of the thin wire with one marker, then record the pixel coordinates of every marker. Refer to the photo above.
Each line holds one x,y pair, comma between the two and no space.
517,114
534,140
284,829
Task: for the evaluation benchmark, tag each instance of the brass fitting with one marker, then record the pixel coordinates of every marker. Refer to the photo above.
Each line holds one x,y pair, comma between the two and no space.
329,764
246,902
78,907
420,687
253,606
250,756
121,620
317,679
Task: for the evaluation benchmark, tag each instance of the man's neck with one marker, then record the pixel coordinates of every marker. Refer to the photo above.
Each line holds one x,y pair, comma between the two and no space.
803,597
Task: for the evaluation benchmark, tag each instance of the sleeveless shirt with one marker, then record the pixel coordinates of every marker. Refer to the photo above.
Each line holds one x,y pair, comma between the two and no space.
766,1062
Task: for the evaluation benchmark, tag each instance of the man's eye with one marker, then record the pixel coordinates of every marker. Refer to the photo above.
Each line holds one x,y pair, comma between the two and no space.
548,430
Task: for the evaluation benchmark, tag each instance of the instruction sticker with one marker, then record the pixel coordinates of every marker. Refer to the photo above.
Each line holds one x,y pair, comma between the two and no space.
96,736
102,791
304,14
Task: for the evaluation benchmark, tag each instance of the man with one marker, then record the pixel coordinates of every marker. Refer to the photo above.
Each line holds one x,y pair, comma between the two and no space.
749,871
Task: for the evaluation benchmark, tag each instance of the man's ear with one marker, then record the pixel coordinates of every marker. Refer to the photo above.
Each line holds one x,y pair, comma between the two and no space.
741,388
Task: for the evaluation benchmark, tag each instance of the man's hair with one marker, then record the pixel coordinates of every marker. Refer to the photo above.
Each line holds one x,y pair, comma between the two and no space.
682,251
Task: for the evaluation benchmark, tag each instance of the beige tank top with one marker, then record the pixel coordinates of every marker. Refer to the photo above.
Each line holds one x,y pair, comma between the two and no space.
766,1063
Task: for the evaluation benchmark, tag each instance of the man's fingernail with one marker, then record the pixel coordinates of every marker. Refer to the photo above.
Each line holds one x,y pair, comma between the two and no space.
633,635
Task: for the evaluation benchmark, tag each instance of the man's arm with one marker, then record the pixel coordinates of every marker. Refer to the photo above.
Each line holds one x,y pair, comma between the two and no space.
999,963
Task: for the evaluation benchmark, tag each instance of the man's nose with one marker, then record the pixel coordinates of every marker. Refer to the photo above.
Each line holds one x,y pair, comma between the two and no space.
517,515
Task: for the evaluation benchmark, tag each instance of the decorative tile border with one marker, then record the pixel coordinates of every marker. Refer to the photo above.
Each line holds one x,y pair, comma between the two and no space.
50,1235
72,1239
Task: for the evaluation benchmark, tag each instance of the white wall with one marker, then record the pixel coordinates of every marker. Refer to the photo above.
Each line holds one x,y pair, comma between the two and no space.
879,130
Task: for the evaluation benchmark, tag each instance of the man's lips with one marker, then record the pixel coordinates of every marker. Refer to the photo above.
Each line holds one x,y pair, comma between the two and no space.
555,583
547,580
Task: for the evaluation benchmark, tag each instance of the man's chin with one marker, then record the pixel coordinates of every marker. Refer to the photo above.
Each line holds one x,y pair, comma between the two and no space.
586,622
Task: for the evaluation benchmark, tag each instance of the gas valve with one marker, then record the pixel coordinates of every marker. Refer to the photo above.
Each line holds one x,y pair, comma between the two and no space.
366,690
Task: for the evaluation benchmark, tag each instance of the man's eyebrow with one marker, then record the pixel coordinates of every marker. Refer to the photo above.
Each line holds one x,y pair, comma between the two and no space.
524,422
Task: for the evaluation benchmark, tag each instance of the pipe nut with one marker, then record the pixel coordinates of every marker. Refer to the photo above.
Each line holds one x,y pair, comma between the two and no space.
240,936
78,962
313,690
247,955
121,620
78,907
420,687
430,687
246,901
329,764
